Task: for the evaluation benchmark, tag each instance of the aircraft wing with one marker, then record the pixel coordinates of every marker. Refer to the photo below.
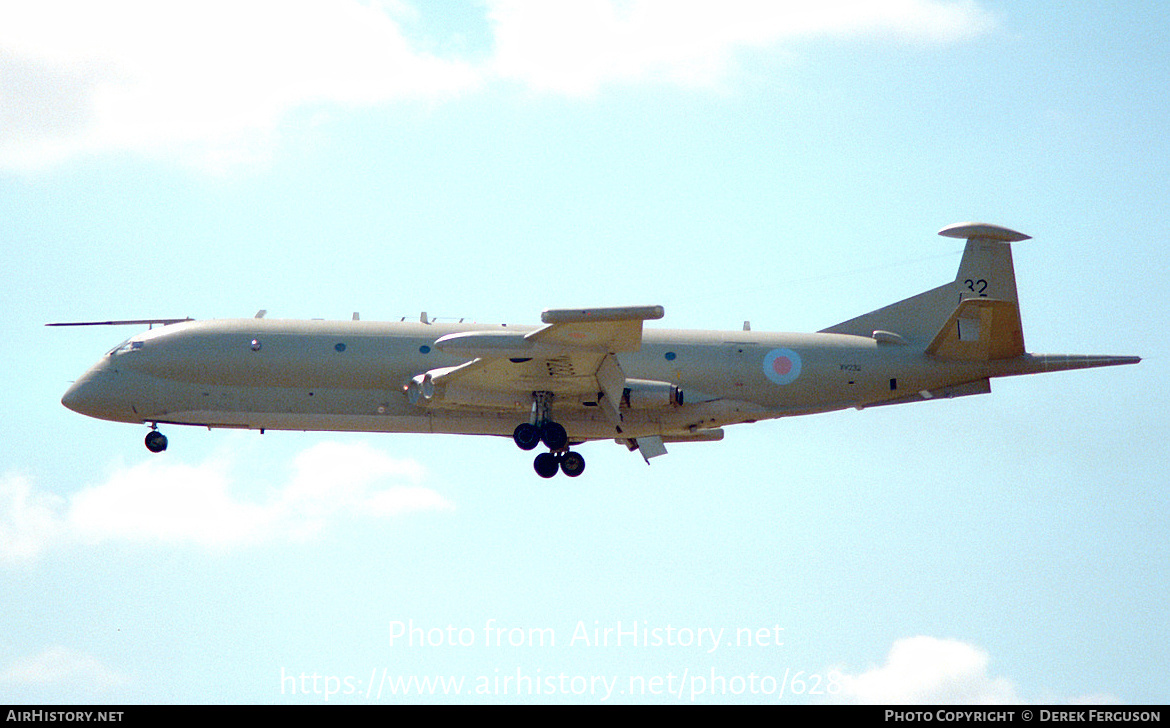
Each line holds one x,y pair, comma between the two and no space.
571,356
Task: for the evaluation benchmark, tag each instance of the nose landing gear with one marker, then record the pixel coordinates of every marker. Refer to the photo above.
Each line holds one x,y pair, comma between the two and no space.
156,441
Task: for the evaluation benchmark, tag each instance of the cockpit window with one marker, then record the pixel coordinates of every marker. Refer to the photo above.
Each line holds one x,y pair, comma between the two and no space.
128,347
125,347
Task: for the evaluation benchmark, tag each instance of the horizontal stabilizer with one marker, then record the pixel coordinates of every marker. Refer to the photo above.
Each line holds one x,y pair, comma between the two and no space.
980,329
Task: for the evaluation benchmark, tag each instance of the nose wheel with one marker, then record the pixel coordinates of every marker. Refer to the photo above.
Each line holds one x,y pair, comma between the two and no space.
156,441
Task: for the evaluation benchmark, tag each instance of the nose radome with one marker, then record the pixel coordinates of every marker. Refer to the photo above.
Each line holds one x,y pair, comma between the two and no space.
79,396
71,396
97,394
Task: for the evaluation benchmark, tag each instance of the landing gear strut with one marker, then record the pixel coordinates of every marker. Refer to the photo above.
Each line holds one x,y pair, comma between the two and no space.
542,428
155,440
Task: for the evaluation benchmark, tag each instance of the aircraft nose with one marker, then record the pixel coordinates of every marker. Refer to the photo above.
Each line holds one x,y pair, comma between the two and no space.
73,397
95,396
80,397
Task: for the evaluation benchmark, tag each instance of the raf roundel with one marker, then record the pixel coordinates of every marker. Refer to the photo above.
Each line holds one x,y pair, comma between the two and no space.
782,366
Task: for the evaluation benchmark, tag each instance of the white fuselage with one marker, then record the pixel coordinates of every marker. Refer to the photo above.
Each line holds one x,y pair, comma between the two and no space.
351,375
588,374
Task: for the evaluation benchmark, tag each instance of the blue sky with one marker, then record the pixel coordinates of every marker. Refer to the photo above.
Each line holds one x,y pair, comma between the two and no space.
487,160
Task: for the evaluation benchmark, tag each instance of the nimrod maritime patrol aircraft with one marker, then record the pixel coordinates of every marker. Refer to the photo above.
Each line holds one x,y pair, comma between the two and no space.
585,374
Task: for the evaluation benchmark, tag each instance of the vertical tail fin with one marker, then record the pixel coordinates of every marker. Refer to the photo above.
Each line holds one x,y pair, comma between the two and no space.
986,324
986,273
975,318
986,270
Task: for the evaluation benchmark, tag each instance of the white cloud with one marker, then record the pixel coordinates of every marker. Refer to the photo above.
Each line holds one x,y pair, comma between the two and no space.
167,501
334,479
213,84
200,81
61,666
163,501
573,48
927,670
28,519
922,670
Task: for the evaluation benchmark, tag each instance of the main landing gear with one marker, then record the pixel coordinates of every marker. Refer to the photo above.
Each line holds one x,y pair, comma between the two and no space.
568,462
542,428
155,440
